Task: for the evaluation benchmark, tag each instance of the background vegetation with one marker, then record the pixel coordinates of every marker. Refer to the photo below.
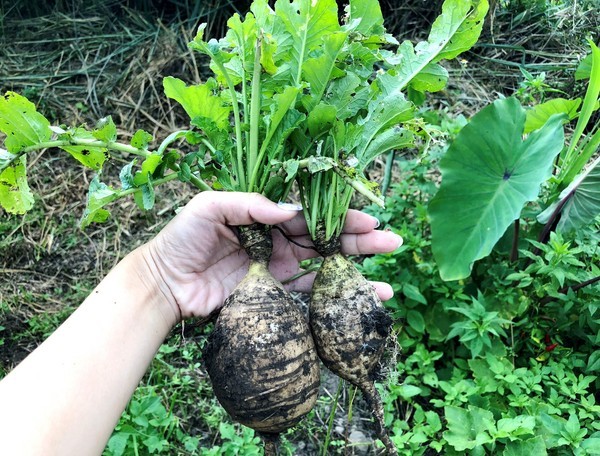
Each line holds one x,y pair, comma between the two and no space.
504,362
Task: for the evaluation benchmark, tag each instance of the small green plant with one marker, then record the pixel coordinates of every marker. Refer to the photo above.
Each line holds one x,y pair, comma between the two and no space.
533,89
480,327
145,427
236,441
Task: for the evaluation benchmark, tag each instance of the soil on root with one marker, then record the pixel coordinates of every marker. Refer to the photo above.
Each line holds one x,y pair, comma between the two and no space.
261,360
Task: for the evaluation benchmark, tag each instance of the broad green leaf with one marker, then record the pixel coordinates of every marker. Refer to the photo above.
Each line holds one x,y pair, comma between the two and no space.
349,95
380,129
514,427
575,158
145,197
126,175
242,38
282,105
307,23
539,114
488,174
321,119
468,429
453,32
591,445
593,362
531,447
141,139
198,100
584,69
267,54
21,123
369,17
90,156
275,148
407,391
118,443
432,78
105,130
15,195
469,16
149,165
415,320
413,292
393,138
579,203
317,70
99,195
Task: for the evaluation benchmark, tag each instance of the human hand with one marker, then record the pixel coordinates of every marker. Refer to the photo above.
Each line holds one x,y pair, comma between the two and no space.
197,260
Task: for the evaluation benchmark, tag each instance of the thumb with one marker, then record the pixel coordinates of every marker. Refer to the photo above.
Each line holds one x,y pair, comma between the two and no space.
238,208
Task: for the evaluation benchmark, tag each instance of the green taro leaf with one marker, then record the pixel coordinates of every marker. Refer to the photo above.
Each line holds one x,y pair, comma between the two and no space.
91,156
579,203
198,100
488,174
21,123
15,195
539,114
584,70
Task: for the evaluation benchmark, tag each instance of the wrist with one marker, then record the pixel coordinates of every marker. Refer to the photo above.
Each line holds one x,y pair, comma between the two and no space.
150,275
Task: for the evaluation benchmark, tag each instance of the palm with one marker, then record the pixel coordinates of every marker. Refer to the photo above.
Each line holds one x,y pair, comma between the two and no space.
211,263
200,261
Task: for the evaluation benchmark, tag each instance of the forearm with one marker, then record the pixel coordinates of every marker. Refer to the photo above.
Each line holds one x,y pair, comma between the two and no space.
72,389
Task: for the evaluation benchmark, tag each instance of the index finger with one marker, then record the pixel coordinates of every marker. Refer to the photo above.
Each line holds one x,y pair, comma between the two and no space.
357,222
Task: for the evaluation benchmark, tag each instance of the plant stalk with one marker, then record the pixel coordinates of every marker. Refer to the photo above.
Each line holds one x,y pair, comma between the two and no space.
252,161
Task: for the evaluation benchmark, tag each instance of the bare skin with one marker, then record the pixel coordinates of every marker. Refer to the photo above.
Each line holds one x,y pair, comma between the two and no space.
68,394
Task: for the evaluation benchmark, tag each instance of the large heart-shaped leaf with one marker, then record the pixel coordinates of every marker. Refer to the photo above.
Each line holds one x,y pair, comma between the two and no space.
579,203
488,174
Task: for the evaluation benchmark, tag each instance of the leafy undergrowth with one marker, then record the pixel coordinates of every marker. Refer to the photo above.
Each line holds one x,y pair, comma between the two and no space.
504,362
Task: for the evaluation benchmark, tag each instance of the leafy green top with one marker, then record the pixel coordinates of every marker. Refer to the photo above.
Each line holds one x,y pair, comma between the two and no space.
362,111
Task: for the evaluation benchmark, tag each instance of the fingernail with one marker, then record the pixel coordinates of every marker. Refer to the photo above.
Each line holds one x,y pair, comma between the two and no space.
377,222
289,206
400,240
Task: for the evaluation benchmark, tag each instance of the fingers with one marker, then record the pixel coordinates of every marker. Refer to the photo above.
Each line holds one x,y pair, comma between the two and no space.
304,285
356,222
370,243
235,208
352,244
384,290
